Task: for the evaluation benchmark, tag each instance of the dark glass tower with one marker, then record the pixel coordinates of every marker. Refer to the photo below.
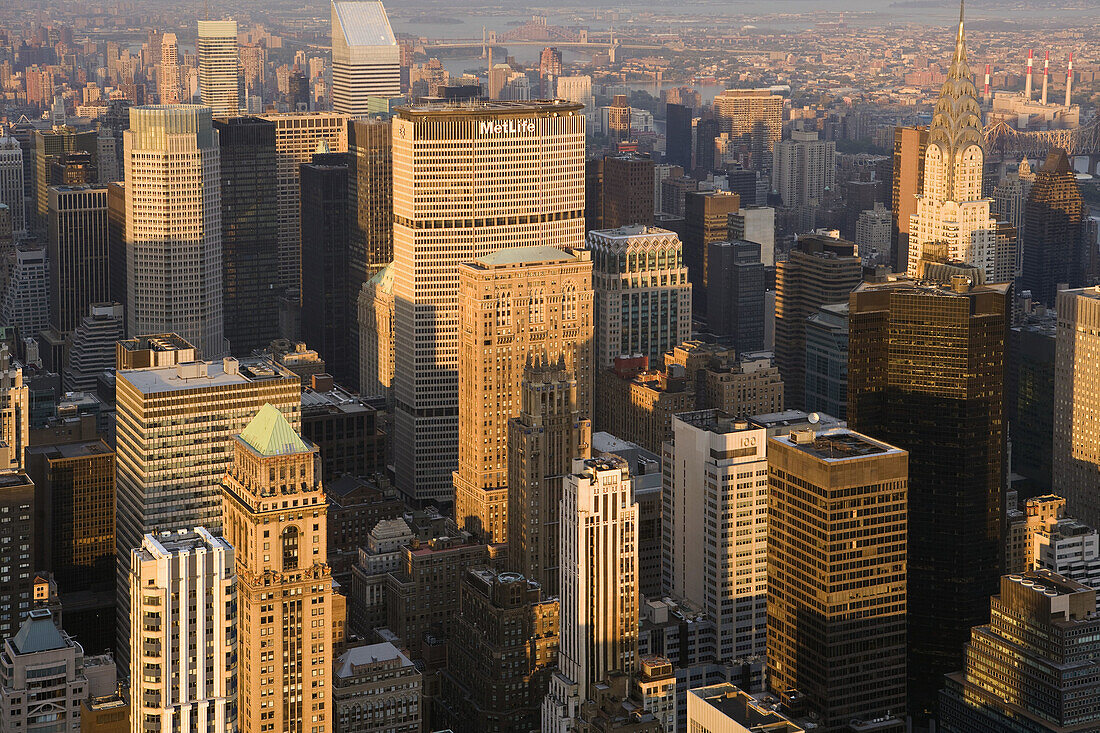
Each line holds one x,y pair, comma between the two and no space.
370,194
736,294
325,271
678,135
926,373
250,264
1053,251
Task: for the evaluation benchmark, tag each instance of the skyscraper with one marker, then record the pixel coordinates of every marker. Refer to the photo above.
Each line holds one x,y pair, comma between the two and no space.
284,585
1035,661
1054,254
818,271
707,220
370,235
169,470
804,169
298,135
715,466
437,151
642,293
249,208
11,182
49,145
953,220
513,303
1076,452
836,575
543,441
26,304
183,590
599,591
326,317
216,46
753,116
15,415
678,134
627,191
169,84
77,250
366,61
16,548
926,374
173,226
736,293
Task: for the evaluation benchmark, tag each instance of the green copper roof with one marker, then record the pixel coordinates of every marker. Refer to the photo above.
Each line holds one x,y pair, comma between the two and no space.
271,435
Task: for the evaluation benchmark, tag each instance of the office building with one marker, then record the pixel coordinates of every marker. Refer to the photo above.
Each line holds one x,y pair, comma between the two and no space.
627,191
376,336
678,135
953,221
169,471
724,708
169,81
355,507
116,242
827,361
1040,535
16,550
1029,403
909,346
183,590
873,235
77,251
49,145
500,657
1054,254
12,184
1076,456
706,215
26,305
736,294
93,346
578,89
75,519
715,465
105,714
642,293
366,61
325,314
249,201
376,689
344,427
279,587
42,680
753,116
741,384
599,593
755,224
910,146
1010,202
1034,666
543,440
173,226
298,135
438,149
836,619
818,271
513,303
15,416
219,67
804,169
636,404
370,235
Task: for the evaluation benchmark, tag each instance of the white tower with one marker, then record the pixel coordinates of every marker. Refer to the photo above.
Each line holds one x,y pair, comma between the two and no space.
218,66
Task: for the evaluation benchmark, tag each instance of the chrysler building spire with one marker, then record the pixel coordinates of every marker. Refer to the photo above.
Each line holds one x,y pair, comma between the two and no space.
957,118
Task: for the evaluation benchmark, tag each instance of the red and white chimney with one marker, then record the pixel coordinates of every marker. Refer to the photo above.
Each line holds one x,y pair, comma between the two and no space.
1069,80
1046,76
1027,80
985,93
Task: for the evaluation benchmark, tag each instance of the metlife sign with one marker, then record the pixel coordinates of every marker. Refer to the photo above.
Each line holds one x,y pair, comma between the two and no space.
523,126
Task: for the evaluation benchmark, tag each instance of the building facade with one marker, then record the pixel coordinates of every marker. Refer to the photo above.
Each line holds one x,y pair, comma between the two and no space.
716,465
706,216
915,350
836,622
219,66
513,304
437,150
42,680
275,515
376,689
366,61
736,294
16,549
1054,254
183,590
173,226
642,293
77,249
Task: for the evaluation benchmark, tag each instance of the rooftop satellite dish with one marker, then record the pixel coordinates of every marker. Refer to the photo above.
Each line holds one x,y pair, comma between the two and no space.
814,418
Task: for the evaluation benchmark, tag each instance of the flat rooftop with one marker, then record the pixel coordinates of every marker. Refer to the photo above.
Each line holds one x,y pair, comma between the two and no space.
514,256
72,450
172,378
717,421
487,108
839,444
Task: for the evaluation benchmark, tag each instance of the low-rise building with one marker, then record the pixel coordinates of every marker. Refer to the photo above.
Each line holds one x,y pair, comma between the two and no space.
42,678
376,689
724,708
355,507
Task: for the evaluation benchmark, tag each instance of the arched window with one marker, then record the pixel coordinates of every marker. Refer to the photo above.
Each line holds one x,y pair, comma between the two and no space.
504,310
569,303
290,548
